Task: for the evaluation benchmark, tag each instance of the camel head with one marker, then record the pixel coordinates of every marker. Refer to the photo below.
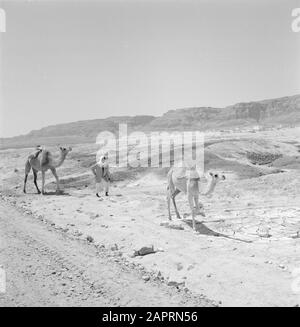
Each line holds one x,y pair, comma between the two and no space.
65,151
215,178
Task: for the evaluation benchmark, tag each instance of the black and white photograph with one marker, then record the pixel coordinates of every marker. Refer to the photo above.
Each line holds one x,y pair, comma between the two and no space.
150,155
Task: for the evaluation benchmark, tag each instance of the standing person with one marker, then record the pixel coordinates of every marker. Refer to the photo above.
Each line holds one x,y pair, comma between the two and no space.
102,175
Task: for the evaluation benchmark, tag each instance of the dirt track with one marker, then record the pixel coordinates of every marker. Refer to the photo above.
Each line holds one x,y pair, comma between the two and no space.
46,268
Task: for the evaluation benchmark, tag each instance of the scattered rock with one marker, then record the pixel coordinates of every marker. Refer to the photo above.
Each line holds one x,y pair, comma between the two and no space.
158,275
179,266
113,247
89,239
296,235
146,278
95,216
175,283
144,251
263,232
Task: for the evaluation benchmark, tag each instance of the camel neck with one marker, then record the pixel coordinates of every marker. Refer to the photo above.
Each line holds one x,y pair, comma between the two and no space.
210,188
60,160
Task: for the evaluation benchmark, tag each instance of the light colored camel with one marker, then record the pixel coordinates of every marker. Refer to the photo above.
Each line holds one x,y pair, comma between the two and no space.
42,160
180,180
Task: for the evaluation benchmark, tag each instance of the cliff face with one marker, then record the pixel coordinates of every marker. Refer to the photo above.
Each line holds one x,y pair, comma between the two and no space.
275,112
265,110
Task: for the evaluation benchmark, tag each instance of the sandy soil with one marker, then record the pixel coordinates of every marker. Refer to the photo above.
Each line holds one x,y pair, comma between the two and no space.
47,268
246,247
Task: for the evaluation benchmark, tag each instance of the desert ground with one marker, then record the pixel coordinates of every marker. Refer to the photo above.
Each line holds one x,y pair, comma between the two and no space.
244,253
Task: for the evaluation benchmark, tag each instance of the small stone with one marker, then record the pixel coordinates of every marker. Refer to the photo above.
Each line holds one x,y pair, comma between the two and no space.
174,283
144,250
158,274
114,247
146,278
95,216
89,239
179,266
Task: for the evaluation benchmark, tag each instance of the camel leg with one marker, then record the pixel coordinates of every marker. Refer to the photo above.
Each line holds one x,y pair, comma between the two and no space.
169,201
43,182
27,170
25,181
53,170
174,203
199,206
191,203
35,179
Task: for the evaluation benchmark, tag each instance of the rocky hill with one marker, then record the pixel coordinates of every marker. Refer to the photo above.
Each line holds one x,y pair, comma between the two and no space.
282,111
267,113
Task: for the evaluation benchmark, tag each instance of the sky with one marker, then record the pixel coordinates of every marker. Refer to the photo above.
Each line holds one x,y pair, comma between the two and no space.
64,61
